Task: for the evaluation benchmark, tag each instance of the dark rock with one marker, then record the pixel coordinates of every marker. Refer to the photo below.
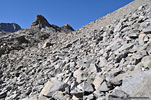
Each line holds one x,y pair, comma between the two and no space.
67,28
22,39
122,55
114,82
99,39
3,95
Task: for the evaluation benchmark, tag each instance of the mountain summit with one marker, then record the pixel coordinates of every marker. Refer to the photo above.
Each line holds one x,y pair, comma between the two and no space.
41,22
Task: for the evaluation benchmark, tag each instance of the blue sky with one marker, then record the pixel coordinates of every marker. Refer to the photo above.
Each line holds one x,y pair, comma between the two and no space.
77,13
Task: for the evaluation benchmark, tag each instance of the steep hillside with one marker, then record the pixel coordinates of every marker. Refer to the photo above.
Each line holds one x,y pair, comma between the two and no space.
108,59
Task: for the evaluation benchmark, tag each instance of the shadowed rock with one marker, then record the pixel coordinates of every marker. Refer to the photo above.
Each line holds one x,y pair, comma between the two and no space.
67,28
9,27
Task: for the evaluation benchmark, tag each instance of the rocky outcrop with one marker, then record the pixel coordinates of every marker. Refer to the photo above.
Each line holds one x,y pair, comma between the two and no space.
67,28
41,22
9,27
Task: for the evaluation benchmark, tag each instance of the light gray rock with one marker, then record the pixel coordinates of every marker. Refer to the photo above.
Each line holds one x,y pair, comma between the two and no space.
53,86
101,98
138,85
125,47
88,87
103,61
133,34
58,95
113,73
94,68
34,97
103,87
11,97
78,74
117,27
146,61
98,81
141,38
147,30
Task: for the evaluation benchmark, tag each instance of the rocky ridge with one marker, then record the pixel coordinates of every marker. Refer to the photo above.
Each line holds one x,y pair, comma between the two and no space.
41,22
39,31
106,63
9,27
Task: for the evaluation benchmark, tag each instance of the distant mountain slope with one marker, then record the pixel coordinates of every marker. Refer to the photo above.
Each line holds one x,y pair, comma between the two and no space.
9,27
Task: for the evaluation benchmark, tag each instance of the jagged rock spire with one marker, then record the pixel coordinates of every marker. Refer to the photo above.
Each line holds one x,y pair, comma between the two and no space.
41,22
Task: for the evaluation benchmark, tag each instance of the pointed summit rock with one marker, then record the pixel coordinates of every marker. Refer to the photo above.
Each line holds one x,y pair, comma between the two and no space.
41,22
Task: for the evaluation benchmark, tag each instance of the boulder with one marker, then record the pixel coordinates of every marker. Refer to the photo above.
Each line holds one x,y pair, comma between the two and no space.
146,61
138,85
52,86
118,95
147,30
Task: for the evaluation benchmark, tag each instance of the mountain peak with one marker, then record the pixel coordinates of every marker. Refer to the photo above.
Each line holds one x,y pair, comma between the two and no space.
41,21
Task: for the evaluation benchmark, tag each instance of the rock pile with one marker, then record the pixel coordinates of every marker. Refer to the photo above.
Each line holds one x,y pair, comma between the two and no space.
108,63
